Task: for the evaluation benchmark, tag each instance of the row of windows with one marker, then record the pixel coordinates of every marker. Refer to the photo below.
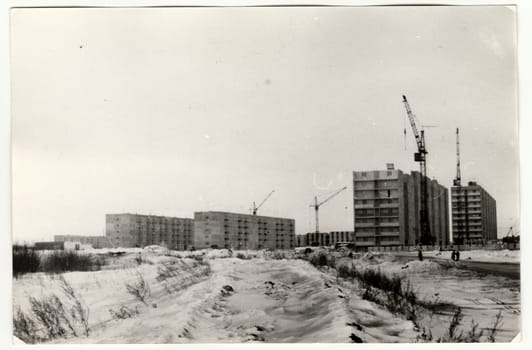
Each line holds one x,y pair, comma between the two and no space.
376,201
153,233
164,222
365,174
260,240
226,233
377,211
376,220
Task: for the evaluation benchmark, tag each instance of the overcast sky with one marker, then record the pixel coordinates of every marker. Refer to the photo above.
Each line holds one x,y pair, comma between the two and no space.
171,111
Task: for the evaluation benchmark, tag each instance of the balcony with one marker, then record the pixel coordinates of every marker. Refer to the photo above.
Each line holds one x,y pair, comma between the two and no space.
388,224
388,243
364,206
389,234
364,224
387,205
365,243
365,234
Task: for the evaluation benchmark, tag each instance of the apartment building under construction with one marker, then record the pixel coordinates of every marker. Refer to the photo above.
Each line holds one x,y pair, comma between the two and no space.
387,208
474,214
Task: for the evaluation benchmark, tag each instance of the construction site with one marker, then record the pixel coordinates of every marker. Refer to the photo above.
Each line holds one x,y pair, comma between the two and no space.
392,210
233,277
264,174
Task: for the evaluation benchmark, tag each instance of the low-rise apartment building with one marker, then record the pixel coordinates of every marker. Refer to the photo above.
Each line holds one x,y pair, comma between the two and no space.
135,230
218,229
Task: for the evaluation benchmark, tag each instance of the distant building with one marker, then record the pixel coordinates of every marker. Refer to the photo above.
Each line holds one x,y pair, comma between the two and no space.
474,214
134,230
49,245
71,245
386,208
301,240
323,239
341,236
242,231
320,239
95,241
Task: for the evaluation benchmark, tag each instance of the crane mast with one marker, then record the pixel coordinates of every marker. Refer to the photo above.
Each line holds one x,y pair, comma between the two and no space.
420,156
256,208
462,204
317,206
458,179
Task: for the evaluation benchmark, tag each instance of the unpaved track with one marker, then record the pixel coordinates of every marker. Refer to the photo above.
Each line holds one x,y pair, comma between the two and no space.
281,301
506,269
510,270
273,301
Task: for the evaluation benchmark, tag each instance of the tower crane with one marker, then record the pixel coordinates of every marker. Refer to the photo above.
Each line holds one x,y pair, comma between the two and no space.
421,157
317,206
256,208
463,225
458,178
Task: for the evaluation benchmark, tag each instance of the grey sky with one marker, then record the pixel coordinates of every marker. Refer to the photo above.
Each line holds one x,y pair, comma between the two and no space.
171,111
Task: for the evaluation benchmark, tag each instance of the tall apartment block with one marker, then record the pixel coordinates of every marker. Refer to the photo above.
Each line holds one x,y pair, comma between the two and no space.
386,208
474,214
242,231
134,230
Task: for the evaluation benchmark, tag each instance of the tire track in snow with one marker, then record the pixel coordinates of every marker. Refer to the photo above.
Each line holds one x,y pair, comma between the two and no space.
289,301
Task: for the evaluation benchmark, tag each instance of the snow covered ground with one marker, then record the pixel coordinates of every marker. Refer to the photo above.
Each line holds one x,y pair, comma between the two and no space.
262,298
480,296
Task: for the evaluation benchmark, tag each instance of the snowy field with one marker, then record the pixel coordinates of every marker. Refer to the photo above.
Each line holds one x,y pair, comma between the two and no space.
215,296
480,296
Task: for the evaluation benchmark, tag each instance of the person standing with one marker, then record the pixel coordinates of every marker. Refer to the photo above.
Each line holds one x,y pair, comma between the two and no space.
455,256
420,252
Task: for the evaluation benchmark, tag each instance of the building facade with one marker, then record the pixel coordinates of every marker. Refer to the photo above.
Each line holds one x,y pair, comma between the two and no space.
95,241
324,238
242,231
474,214
315,239
134,230
341,237
301,241
387,204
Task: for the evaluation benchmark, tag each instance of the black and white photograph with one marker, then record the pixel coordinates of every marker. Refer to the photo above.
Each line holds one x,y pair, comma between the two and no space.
265,174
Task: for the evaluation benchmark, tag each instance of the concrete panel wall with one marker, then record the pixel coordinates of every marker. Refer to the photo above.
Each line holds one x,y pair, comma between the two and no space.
242,231
134,230
382,190
480,223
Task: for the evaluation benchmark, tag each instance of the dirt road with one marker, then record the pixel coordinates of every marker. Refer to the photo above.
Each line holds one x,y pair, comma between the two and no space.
505,269
509,270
